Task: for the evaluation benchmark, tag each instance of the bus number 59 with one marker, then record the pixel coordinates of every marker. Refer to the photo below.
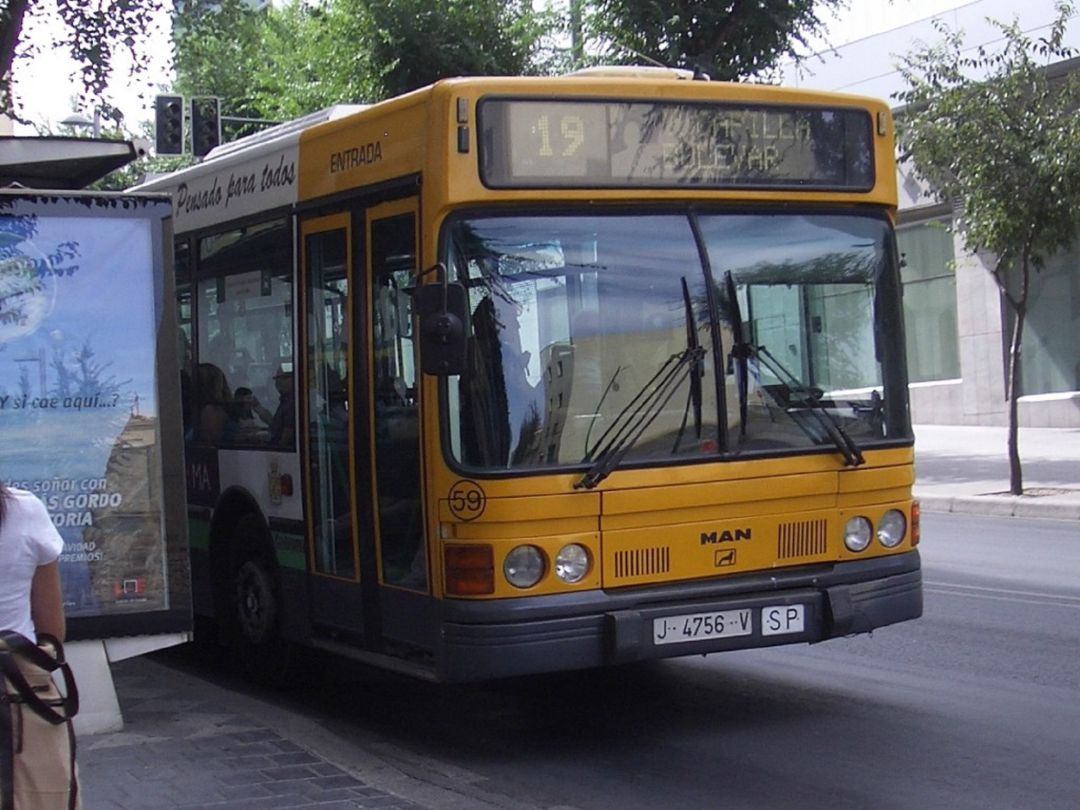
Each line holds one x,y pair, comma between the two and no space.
466,500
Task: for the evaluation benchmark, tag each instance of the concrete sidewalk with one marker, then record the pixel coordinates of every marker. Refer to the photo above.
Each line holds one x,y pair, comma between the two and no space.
189,744
966,469
192,744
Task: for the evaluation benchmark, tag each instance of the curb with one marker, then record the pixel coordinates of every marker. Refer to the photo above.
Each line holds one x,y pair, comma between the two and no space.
1001,506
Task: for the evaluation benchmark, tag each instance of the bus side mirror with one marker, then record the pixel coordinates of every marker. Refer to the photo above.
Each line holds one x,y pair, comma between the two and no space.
441,309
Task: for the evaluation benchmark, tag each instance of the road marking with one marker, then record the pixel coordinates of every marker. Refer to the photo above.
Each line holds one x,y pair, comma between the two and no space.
999,594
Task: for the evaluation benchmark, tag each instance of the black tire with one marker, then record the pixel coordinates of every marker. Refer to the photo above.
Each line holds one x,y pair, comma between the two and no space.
254,614
257,603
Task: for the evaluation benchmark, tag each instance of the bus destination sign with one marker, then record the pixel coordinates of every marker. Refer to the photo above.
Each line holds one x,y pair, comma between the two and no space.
529,143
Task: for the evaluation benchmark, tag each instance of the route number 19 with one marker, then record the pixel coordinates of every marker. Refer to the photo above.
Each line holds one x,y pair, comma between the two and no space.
570,131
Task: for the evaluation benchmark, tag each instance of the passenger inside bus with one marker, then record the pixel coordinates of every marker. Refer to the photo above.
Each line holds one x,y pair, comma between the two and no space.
249,418
283,422
187,394
213,400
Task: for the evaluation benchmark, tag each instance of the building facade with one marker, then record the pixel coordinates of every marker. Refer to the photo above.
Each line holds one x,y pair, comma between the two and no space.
958,326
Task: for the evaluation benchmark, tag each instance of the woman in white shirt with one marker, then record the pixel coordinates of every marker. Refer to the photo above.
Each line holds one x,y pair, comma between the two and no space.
31,599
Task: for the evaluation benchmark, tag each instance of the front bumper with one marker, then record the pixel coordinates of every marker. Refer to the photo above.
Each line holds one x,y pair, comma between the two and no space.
543,634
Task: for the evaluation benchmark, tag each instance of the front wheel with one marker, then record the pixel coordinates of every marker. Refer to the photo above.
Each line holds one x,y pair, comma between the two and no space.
257,603
256,618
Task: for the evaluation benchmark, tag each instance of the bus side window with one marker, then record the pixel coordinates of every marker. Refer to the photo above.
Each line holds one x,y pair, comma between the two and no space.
243,306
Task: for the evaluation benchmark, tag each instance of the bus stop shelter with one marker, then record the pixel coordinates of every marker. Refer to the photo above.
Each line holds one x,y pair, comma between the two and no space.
42,179
54,162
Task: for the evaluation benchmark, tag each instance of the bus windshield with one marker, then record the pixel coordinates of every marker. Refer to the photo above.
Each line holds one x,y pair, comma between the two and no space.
644,339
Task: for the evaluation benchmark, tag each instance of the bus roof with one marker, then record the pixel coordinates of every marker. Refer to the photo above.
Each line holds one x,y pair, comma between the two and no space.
262,172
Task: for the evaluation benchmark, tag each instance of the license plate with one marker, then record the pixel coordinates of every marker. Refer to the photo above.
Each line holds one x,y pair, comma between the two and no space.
777,620
698,626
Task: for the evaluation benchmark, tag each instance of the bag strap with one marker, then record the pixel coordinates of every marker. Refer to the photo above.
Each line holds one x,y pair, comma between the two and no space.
18,644
71,688
21,645
7,750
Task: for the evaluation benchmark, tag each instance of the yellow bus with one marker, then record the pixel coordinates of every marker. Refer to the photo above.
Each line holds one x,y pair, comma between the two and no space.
514,375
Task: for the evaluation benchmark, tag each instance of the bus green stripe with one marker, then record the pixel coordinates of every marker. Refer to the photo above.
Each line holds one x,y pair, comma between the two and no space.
292,559
290,550
199,534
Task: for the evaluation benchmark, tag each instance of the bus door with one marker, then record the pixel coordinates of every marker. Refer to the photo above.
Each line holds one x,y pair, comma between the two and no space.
392,247
366,530
335,514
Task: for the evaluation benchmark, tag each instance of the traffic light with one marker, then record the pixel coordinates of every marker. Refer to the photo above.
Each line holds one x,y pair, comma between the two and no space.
169,125
205,124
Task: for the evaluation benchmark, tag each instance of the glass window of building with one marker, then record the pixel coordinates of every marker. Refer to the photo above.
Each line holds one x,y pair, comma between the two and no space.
929,278
1050,362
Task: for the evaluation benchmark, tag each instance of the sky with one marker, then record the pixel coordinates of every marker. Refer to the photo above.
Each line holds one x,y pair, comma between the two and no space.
47,87
866,17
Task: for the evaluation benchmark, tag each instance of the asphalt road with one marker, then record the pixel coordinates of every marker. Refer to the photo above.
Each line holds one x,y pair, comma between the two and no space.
976,705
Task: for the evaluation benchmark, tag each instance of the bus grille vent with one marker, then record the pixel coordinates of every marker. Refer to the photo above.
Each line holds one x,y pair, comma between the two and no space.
640,562
805,539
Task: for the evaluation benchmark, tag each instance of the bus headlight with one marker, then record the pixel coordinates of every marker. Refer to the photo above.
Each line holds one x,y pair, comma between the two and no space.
572,563
858,533
892,528
524,566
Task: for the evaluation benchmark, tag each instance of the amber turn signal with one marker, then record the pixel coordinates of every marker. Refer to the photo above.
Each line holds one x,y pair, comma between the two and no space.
470,570
914,523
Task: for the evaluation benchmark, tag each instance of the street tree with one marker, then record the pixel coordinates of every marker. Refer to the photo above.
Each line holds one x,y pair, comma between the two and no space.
92,34
313,59
727,41
291,59
217,49
416,42
996,135
275,63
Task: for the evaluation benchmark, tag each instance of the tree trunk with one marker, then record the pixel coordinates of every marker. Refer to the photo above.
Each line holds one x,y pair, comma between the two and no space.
1016,478
11,21
577,36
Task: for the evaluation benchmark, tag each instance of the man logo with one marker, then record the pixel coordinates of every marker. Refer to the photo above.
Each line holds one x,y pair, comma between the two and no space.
724,558
725,536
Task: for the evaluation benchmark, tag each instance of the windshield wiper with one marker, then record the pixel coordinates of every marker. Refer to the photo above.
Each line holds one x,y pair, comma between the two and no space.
743,351
634,419
740,351
693,397
808,398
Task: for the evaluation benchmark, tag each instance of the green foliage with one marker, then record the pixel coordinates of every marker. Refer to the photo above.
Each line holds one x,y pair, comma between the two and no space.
416,42
311,59
285,61
276,63
218,51
138,170
727,40
996,136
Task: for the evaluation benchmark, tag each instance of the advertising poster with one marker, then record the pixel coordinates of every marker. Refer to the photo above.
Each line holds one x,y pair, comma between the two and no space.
79,406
